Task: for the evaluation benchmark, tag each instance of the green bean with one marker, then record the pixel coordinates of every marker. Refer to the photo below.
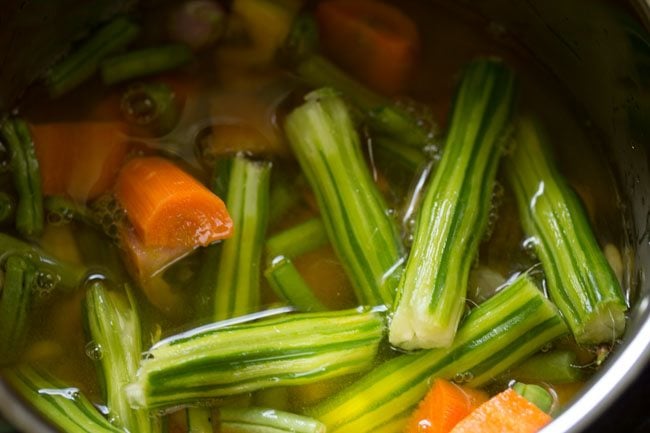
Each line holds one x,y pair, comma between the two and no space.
264,420
297,240
26,175
83,63
560,366
383,116
208,273
7,208
15,301
54,273
148,61
288,284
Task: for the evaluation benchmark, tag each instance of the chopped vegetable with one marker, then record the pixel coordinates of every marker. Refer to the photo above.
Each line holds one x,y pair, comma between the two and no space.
27,178
288,284
359,227
267,23
535,394
62,405
15,301
168,207
224,360
382,115
79,159
7,209
199,420
374,40
580,281
208,272
394,151
238,280
497,334
505,412
150,108
559,366
113,327
264,420
83,63
284,196
454,213
444,405
144,62
53,273
301,42
299,239
197,23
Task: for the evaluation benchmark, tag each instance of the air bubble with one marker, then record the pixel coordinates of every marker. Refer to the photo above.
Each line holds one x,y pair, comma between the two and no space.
94,351
45,283
464,377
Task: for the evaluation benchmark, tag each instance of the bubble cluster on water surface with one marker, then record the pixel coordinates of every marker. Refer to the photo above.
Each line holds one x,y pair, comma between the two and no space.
109,215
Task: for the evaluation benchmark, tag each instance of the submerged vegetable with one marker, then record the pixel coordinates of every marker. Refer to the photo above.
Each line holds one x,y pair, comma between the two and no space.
225,360
114,327
236,420
171,209
580,281
512,325
237,288
133,175
27,179
445,404
356,218
148,61
79,160
374,40
63,406
84,62
454,213
16,293
506,412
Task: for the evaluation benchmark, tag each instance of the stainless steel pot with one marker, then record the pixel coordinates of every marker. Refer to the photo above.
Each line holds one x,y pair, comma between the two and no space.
600,52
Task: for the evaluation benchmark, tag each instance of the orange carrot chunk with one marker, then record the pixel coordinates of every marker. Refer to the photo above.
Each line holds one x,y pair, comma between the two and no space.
79,160
169,208
506,412
443,407
373,40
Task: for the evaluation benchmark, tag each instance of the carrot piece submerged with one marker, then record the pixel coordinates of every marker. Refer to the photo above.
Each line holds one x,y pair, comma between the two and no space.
506,412
373,40
443,407
79,159
169,208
